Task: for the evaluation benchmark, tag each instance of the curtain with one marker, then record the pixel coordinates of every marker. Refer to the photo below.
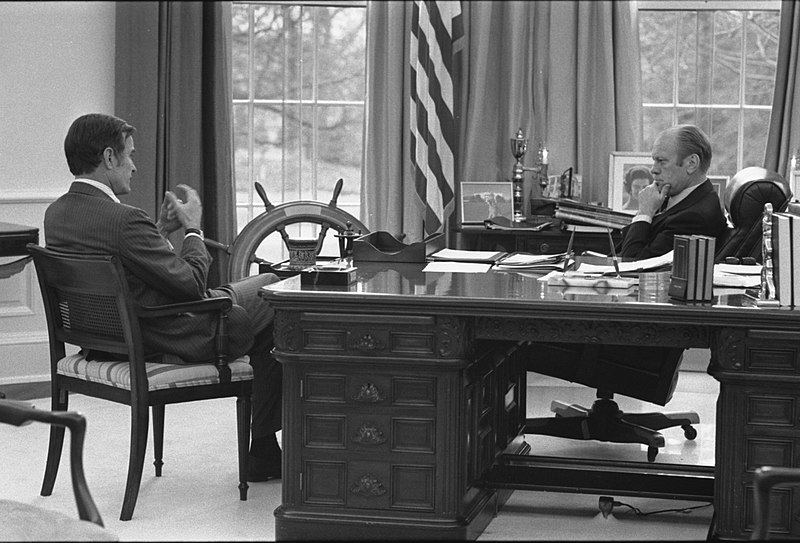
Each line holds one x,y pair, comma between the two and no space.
558,70
783,138
173,83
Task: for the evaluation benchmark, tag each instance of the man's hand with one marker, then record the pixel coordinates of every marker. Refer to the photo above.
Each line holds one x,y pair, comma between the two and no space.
651,198
167,219
189,211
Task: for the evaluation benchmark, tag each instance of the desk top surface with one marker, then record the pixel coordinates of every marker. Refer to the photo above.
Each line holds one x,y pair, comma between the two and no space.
406,288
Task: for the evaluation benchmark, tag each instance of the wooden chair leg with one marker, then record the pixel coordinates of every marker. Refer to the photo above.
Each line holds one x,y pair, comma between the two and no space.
139,426
158,437
59,402
243,412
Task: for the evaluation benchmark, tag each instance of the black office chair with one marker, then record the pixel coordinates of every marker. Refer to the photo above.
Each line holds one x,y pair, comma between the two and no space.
744,199
648,373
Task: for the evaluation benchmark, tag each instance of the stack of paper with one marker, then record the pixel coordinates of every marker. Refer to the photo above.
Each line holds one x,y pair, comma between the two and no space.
656,263
531,262
455,255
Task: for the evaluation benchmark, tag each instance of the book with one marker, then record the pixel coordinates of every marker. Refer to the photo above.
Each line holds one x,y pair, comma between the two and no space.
708,275
691,274
680,267
782,257
599,220
795,228
700,270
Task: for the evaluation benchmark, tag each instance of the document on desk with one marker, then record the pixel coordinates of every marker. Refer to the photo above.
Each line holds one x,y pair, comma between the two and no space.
655,263
457,267
455,255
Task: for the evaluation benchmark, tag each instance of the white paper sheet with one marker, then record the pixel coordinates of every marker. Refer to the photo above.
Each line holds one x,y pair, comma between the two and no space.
458,267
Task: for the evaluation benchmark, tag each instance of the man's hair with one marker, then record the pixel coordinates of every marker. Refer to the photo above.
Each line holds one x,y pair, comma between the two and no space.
636,172
90,135
691,140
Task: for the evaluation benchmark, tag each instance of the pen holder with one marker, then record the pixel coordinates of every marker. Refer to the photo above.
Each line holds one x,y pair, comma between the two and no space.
302,253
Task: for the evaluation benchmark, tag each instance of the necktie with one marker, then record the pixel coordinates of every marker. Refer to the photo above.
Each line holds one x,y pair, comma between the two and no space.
664,205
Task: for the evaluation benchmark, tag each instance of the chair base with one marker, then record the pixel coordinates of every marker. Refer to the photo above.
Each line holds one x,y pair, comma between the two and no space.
606,422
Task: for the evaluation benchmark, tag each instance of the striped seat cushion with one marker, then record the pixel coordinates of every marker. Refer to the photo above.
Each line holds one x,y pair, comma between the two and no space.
159,376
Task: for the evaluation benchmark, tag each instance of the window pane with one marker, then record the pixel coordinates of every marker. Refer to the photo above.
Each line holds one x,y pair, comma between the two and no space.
342,54
340,144
762,52
655,120
756,125
657,36
240,53
241,154
727,57
690,62
724,135
268,141
274,58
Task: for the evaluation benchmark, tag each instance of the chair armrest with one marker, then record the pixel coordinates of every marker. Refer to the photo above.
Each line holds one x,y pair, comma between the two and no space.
19,413
221,303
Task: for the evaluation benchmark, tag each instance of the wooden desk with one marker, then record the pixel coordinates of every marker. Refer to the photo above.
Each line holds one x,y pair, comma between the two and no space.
404,397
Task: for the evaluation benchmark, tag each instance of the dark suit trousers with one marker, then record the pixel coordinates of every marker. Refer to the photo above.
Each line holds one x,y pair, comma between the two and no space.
267,372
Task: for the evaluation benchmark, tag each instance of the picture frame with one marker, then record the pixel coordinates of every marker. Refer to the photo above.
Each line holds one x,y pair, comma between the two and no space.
794,184
619,164
486,200
720,182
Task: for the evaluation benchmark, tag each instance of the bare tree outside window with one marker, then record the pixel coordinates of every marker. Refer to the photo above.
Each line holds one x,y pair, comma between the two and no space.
714,68
298,102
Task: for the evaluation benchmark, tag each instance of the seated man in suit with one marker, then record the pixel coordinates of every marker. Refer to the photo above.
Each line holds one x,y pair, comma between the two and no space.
681,158
89,218
681,200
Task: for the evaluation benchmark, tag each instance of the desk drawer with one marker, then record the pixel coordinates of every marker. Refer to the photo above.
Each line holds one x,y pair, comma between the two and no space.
370,485
368,433
369,389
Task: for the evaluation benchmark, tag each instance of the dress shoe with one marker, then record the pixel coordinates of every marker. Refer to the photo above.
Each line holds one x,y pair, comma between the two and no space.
260,469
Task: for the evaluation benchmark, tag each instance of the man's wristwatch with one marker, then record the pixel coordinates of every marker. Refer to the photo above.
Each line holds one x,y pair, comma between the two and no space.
195,231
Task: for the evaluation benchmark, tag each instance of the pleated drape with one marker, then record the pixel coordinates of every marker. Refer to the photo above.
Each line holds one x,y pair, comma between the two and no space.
783,139
566,73
173,82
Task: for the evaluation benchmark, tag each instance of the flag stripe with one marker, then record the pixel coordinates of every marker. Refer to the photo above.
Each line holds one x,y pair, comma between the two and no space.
435,25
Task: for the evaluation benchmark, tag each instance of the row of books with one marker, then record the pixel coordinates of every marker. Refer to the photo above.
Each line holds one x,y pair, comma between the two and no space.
580,213
692,277
786,257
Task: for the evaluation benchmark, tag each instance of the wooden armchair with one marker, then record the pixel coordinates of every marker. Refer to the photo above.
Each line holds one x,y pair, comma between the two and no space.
88,304
24,522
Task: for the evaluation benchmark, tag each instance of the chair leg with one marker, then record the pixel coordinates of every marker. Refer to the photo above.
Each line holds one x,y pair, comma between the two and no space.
59,402
139,424
243,412
158,437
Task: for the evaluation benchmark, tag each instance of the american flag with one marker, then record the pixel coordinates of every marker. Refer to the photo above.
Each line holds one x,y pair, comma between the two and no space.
435,30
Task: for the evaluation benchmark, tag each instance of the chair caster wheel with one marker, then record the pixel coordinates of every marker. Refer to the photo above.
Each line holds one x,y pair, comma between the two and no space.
651,453
689,432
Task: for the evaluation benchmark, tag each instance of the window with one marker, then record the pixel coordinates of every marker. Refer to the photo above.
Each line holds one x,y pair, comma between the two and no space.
712,64
298,105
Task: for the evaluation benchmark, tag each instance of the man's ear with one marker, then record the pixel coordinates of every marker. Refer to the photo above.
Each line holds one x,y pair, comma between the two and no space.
108,157
692,163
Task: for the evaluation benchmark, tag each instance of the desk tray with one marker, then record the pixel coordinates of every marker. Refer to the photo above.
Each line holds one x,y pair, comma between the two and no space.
384,247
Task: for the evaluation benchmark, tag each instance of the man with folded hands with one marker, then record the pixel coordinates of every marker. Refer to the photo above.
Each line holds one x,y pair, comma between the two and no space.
89,218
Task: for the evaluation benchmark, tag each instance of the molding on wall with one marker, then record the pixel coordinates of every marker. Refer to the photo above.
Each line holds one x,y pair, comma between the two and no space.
24,379
24,338
28,197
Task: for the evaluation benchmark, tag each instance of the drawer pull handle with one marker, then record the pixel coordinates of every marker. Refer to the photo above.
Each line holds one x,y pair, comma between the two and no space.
369,435
368,486
367,343
368,393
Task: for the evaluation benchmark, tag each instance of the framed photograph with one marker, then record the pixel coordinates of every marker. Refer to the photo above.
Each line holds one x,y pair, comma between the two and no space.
794,184
481,201
628,173
720,182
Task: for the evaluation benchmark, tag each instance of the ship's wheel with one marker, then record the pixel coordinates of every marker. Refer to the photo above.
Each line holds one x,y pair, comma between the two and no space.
277,218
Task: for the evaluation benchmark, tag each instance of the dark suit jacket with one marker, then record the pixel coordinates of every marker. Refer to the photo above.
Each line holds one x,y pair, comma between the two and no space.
85,220
699,213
